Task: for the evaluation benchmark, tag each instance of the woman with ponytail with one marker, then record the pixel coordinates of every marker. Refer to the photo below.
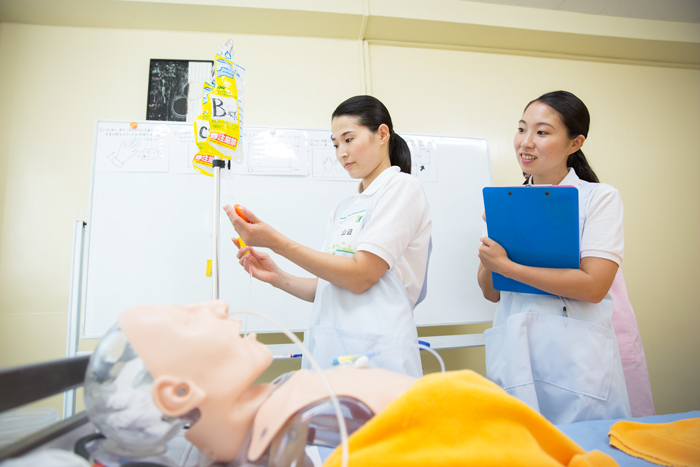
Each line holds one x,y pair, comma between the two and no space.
372,270
559,352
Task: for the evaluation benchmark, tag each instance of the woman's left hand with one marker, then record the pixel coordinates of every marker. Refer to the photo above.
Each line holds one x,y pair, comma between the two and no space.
492,256
254,232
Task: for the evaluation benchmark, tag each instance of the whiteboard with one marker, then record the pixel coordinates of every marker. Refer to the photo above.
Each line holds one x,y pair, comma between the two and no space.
150,215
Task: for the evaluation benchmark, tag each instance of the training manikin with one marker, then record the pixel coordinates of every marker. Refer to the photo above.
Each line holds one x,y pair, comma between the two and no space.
203,370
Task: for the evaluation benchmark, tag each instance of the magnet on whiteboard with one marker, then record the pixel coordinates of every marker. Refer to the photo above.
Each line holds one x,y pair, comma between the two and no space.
208,268
133,125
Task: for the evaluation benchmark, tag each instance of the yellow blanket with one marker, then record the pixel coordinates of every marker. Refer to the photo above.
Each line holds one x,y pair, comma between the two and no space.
676,443
461,418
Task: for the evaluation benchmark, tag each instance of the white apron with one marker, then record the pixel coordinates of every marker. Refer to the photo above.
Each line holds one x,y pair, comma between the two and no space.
558,355
379,319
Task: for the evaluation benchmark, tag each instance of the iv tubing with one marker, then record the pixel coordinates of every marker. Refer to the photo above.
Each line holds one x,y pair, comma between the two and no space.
186,455
362,360
250,302
334,400
442,364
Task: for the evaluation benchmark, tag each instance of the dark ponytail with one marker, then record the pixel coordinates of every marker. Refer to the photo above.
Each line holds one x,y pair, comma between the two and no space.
577,120
371,113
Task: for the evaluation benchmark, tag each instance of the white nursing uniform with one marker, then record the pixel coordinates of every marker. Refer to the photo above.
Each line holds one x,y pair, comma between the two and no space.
390,219
559,355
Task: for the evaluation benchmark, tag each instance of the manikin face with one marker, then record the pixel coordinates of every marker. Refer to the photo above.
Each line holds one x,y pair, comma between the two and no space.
168,336
199,361
362,153
542,144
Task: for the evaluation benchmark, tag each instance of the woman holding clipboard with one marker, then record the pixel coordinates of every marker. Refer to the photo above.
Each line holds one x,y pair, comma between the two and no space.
558,353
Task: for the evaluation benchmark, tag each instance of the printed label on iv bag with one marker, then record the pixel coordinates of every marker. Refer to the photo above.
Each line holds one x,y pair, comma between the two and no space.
202,132
223,139
224,108
204,159
224,112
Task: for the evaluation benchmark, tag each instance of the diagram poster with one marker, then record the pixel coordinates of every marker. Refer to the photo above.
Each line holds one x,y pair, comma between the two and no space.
132,147
175,89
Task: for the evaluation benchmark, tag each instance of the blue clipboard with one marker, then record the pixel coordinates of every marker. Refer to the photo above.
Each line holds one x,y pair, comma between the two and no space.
537,226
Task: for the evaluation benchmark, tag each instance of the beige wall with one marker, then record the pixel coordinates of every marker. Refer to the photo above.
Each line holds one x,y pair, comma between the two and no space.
55,81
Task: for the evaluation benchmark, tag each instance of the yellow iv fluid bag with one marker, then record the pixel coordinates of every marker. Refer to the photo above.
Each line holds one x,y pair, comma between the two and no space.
225,125
217,129
202,161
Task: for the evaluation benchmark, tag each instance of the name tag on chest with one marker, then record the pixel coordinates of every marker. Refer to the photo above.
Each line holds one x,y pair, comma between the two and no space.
347,233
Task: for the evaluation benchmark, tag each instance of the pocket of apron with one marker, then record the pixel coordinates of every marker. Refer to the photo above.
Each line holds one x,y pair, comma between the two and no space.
571,354
332,342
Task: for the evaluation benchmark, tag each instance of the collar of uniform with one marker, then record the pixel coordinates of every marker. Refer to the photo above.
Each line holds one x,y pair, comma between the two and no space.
570,179
381,179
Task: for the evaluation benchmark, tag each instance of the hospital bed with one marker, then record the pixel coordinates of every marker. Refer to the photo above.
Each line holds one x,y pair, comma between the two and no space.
594,435
23,385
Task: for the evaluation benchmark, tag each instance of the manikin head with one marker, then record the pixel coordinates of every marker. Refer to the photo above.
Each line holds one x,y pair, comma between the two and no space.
198,360
118,399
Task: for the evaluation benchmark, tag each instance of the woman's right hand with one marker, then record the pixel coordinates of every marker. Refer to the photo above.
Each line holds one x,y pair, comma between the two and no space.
262,266
252,230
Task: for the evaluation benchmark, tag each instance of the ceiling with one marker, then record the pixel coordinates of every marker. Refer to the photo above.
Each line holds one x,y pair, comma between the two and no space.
684,11
496,26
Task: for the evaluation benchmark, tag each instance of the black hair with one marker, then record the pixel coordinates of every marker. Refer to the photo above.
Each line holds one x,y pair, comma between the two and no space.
371,113
577,120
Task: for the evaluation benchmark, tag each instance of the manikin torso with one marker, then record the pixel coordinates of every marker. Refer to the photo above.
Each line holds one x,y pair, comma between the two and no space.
298,411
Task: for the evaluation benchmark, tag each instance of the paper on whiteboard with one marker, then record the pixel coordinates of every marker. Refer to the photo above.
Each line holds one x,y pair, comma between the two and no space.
239,75
145,148
182,149
324,164
274,152
423,160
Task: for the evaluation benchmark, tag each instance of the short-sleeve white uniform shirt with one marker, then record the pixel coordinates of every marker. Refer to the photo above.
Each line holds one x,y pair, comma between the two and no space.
399,228
603,234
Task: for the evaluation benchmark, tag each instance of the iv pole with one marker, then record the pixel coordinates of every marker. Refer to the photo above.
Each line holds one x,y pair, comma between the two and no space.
217,164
